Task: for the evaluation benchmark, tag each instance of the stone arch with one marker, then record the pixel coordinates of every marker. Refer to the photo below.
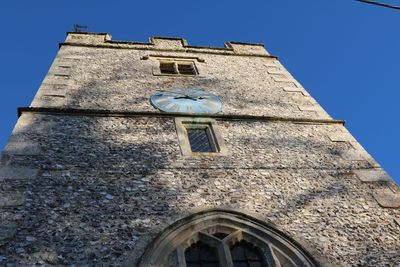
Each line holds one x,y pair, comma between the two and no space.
222,230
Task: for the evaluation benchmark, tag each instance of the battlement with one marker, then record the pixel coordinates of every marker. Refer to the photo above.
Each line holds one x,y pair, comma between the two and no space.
163,44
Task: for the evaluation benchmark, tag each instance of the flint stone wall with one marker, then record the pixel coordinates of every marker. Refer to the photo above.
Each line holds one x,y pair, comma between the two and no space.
106,186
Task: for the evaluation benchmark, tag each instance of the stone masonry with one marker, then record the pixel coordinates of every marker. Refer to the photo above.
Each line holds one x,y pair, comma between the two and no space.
93,172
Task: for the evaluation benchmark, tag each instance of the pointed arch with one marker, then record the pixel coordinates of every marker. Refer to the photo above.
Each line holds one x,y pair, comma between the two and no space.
231,235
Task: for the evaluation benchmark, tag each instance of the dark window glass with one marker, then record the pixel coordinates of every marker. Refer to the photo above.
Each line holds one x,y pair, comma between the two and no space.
201,255
186,69
246,255
199,140
168,68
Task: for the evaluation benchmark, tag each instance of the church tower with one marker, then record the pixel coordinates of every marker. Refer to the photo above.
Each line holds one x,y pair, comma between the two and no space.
168,154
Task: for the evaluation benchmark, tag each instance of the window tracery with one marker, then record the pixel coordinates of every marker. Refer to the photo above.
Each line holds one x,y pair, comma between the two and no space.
224,239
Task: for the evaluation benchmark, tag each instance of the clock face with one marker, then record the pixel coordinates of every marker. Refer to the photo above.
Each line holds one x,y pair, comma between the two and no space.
186,100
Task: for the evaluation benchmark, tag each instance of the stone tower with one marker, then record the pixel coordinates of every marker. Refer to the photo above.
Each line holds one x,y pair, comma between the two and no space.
95,175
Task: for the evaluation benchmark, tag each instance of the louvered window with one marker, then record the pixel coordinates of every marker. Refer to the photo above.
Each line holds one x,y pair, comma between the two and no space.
167,67
186,68
178,67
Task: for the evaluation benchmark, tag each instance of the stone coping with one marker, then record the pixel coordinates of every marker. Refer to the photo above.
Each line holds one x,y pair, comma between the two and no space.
158,43
119,113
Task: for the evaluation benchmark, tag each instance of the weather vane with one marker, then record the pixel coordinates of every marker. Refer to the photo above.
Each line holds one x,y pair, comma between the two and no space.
80,28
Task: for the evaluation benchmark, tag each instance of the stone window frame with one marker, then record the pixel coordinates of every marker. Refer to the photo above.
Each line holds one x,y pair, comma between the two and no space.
217,142
192,61
176,67
174,59
168,249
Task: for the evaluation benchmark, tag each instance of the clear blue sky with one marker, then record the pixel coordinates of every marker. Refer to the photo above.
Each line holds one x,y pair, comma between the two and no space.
345,53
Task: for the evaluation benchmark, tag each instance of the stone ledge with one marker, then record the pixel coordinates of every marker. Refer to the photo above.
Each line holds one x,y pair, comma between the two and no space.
21,148
69,62
57,80
271,64
59,91
365,154
21,173
308,108
386,198
279,72
7,230
296,90
10,200
282,80
66,71
373,175
292,89
53,86
352,154
121,113
340,137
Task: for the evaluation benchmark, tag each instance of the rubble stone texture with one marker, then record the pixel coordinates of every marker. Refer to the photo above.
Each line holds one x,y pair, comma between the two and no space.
93,189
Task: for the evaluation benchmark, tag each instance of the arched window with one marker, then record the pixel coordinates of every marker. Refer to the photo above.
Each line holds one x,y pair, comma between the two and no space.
221,238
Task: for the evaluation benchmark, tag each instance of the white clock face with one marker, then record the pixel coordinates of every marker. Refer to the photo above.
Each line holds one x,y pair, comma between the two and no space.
186,100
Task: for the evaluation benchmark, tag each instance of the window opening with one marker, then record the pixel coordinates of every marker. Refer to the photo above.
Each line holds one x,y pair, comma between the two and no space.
184,68
199,137
199,140
246,255
220,235
167,68
201,255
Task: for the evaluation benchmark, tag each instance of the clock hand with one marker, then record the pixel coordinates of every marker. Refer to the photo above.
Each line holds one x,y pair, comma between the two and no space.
195,98
182,93
186,97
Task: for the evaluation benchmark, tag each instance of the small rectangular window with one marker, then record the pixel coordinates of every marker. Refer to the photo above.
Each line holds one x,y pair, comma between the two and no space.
168,67
186,69
178,67
199,139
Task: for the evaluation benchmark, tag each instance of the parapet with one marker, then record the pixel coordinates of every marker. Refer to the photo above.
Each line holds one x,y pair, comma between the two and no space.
163,44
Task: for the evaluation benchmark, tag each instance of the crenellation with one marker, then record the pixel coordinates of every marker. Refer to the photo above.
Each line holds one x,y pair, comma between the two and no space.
247,48
165,44
87,38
